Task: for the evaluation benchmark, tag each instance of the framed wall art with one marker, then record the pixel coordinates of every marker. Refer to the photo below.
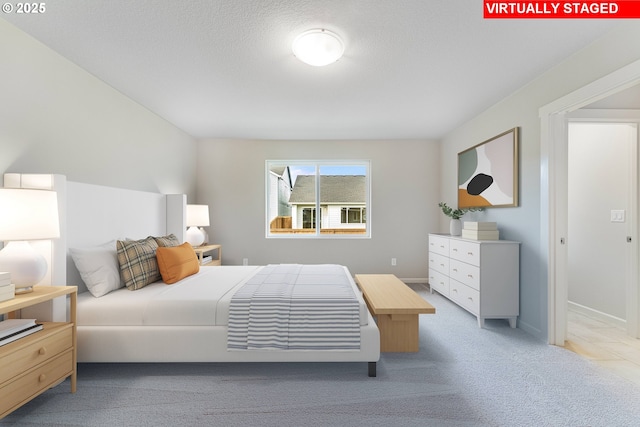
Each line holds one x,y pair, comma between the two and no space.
488,173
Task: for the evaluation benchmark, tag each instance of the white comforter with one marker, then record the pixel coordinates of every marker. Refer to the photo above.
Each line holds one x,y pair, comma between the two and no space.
199,300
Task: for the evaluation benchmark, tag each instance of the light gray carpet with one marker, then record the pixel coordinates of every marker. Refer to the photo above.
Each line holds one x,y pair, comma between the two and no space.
462,376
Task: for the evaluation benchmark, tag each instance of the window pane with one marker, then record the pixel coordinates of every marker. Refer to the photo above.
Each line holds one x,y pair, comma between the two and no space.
343,192
313,199
354,215
290,213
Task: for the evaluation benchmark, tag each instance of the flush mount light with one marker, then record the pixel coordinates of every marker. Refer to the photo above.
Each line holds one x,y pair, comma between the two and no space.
318,47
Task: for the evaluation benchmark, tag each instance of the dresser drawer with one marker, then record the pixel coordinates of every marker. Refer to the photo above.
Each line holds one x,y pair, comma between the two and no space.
29,384
465,251
464,296
439,262
439,282
465,273
27,352
439,245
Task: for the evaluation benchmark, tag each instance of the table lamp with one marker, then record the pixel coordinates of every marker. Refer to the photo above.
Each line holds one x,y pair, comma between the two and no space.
26,214
197,216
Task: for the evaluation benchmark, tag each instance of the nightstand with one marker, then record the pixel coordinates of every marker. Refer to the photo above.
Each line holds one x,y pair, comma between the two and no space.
201,250
31,365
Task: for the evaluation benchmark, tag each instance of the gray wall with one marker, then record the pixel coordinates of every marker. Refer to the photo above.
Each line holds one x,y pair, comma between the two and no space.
405,195
617,49
57,118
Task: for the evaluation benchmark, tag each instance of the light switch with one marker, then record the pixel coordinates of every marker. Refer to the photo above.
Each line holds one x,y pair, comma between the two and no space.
617,216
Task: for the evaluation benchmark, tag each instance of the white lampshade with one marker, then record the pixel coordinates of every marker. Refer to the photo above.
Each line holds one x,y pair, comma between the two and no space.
197,216
26,214
318,47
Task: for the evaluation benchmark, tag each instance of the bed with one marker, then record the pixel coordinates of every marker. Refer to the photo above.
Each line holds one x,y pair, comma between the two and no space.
186,321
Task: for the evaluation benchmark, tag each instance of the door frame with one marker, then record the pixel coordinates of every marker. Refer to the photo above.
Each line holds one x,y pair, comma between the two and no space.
632,117
553,200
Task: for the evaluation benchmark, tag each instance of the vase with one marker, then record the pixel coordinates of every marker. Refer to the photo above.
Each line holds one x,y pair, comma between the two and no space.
455,227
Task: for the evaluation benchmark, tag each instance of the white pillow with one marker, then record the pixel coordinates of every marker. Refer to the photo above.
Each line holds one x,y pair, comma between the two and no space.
98,267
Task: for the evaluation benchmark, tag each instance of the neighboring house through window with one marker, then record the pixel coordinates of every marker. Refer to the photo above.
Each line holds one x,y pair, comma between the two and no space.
325,199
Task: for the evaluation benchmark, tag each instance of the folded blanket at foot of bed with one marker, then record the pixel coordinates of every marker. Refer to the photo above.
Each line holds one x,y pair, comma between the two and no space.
295,307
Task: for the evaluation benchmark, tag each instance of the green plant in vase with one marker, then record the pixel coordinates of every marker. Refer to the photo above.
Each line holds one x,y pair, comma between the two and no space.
455,226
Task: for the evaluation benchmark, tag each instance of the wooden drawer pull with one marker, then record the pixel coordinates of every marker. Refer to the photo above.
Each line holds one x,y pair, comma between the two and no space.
470,253
470,276
455,269
42,351
42,377
455,250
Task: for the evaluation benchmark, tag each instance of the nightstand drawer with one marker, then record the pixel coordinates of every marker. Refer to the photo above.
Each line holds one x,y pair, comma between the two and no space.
33,382
25,353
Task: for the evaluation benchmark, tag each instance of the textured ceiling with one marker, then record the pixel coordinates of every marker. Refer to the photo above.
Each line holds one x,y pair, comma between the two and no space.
224,68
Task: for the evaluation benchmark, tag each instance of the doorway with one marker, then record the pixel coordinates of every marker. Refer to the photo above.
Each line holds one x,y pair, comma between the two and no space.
601,211
553,199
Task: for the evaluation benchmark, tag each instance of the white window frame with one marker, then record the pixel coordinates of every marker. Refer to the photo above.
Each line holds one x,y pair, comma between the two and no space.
269,164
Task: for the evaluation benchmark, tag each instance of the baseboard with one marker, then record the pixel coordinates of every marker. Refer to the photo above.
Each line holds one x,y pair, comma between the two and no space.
603,317
532,330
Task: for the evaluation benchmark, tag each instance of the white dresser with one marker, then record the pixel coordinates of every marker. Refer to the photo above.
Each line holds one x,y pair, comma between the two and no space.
481,276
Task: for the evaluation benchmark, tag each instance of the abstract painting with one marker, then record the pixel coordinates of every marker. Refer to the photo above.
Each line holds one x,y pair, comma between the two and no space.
488,173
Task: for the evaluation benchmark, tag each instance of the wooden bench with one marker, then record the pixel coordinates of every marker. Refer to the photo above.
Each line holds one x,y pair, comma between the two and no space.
396,308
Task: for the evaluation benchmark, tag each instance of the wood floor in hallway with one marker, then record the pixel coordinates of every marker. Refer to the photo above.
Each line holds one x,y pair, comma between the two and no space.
607,345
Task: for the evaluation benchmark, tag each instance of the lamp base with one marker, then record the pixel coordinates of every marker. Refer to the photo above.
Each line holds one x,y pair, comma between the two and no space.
26,266
194,236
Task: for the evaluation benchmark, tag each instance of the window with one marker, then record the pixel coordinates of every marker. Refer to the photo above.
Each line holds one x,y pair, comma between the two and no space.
353,216
317,199
308,217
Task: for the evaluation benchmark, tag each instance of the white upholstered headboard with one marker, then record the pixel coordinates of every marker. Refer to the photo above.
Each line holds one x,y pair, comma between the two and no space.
98,214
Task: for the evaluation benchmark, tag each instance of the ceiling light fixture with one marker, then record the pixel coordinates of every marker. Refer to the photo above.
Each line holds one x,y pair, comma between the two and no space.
318,47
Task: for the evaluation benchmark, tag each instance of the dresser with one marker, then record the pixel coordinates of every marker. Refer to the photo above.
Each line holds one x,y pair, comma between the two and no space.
481,276
31,365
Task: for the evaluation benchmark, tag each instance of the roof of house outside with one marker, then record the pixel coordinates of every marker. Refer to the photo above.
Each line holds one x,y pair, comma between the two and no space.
335,189
278,170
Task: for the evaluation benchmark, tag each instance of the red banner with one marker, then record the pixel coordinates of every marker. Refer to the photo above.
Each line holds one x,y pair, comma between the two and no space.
623,9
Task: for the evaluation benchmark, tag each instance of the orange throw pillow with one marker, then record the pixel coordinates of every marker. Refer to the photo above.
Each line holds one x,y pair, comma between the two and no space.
177,262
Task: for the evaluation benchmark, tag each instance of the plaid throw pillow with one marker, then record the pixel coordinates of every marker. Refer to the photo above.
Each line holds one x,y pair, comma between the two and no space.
138,264
167,241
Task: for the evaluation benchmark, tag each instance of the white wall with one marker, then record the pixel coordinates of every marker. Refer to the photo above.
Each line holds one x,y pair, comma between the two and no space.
57,118
599,181
615,50
404,203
